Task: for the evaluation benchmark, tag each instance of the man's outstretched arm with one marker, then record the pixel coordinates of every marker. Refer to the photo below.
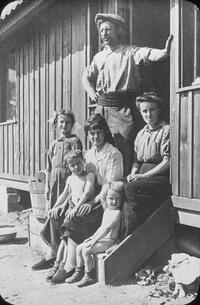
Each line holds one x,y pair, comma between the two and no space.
160,54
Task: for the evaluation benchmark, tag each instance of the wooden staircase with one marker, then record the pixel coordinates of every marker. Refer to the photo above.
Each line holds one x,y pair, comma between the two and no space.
136,248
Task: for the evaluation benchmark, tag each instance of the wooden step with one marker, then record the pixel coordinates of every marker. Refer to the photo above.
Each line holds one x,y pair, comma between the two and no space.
136,248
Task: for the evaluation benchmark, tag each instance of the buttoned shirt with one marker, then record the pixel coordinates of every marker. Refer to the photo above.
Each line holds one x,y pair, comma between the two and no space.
118,70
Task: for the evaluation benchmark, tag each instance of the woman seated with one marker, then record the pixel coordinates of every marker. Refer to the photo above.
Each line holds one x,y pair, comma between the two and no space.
148,185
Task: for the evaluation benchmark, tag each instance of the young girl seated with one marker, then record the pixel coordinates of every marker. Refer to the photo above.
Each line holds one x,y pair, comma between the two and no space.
105,237
78,189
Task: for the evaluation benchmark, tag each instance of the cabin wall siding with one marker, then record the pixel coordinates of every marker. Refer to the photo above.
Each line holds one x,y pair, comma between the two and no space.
51,55
50,60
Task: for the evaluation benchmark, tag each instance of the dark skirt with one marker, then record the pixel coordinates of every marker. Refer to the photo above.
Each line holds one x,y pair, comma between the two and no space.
143,197
78,228
57,184
81,227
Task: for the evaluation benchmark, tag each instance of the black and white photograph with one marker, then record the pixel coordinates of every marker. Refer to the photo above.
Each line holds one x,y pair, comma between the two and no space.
99,152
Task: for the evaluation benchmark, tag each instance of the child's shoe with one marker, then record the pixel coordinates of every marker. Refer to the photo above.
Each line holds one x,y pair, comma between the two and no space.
53,270
88,279
61,275
76,277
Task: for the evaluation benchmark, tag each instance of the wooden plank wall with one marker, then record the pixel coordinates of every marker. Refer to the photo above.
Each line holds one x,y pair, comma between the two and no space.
50,60
188,178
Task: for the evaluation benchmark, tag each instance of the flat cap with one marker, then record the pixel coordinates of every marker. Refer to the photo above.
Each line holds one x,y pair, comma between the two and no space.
116,19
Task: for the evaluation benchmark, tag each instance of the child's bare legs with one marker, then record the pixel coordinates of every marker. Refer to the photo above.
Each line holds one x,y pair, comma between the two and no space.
88,260
87,254
60,252
78,274
61,255
71,255
67,256
79,256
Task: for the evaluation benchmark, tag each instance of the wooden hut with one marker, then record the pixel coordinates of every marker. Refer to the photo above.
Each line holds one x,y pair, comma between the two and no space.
45,46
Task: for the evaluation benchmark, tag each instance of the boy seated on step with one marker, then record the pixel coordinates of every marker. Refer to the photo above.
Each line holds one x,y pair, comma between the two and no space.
78,190
105,237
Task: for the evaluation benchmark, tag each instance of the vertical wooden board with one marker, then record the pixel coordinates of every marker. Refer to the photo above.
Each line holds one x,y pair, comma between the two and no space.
78,65
10,148
37,99
42,98
6,150
112,6
58,59
51,70
21,121
184,147
124,9
32,106
15,148
26,111
190,143
1,149
174,145
104,6
67,56
174,98
196,139
16,127
46,88
187,40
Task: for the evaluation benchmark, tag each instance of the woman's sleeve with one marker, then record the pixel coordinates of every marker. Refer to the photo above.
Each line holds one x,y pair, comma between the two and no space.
89,166
165,142
114,170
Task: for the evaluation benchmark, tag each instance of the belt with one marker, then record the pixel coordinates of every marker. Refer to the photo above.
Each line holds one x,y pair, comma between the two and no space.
115,99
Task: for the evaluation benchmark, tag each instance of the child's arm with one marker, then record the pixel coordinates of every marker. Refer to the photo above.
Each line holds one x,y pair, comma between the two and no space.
89,185
106,226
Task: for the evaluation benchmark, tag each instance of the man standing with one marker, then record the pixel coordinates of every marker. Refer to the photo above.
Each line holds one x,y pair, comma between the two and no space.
113,80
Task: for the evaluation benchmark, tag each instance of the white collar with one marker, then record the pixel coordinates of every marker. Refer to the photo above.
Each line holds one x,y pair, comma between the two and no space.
104,151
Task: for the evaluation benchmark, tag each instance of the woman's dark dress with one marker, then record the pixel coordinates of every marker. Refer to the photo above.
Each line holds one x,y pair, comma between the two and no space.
144,196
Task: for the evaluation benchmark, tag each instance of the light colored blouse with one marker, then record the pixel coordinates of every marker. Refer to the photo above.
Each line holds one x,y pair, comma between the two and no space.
107,164
118,70
151,145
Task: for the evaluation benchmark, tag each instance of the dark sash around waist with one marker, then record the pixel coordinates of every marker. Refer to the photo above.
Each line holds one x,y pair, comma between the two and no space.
115,99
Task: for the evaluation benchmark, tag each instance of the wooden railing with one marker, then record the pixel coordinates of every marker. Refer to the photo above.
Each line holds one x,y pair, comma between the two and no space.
9,156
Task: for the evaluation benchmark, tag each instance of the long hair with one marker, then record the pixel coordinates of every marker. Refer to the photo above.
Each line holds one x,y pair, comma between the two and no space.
97,121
